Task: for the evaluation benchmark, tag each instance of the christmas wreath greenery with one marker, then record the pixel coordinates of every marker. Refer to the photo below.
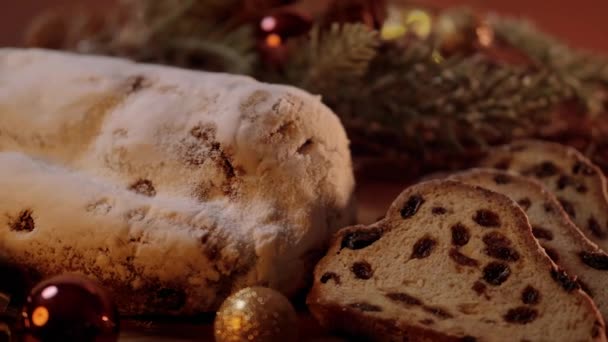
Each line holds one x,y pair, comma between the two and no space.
415,87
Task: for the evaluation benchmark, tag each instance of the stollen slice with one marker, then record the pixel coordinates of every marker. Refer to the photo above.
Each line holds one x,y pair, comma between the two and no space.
579,185
565,244
449,262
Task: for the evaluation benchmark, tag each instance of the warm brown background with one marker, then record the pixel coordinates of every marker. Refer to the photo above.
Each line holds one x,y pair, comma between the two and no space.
583,23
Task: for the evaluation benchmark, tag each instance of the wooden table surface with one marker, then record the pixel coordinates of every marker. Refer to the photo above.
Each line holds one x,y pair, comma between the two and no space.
582,23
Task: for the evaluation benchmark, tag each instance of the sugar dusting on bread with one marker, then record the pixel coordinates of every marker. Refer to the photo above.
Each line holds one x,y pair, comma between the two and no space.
144,175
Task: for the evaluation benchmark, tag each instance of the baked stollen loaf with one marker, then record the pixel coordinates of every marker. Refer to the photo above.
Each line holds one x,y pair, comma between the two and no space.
171,187
579,185
563,242
449,262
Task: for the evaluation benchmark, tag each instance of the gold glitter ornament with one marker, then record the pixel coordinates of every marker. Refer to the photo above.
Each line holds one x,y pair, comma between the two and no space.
256,314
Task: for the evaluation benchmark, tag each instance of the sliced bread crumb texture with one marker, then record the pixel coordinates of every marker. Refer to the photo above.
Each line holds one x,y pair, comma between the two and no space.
449,262
563,242
579,186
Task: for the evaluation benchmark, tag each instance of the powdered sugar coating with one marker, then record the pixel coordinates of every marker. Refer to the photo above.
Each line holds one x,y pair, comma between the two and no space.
151,177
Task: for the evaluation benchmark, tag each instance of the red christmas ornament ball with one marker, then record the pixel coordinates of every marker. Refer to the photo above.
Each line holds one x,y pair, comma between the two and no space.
70,308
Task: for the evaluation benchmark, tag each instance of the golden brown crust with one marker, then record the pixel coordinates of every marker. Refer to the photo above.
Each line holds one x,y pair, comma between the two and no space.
356,325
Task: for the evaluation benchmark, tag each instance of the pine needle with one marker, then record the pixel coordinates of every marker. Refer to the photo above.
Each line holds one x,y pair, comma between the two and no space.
581,71
399,97
341,54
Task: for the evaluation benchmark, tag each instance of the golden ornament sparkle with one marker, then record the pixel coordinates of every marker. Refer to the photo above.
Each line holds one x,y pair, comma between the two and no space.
256,314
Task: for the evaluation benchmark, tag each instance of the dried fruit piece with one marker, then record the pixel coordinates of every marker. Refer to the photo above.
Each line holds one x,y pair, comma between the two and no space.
496,239
580,167
24,222
330,275
439,210
524,203
502,253
499,247
597,260
542,233
460,235
521,315
552,253
361,238
365,307
595,228
143,187
562,278
502,179
503,164
542,170
411,206
462,259
479,287
403,298
487,218
568,207
423,248
530,295
439,312
496,273
563,181
362,270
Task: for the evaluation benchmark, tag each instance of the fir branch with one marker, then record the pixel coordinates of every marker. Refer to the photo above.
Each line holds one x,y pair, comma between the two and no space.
231,51
393,96
160,24
327,58
582,71
457,101
187,33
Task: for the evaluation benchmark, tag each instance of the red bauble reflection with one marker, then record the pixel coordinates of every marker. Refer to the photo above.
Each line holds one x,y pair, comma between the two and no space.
70,308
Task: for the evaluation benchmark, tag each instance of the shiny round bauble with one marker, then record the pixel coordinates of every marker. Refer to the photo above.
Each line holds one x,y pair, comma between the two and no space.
70,308
256,314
